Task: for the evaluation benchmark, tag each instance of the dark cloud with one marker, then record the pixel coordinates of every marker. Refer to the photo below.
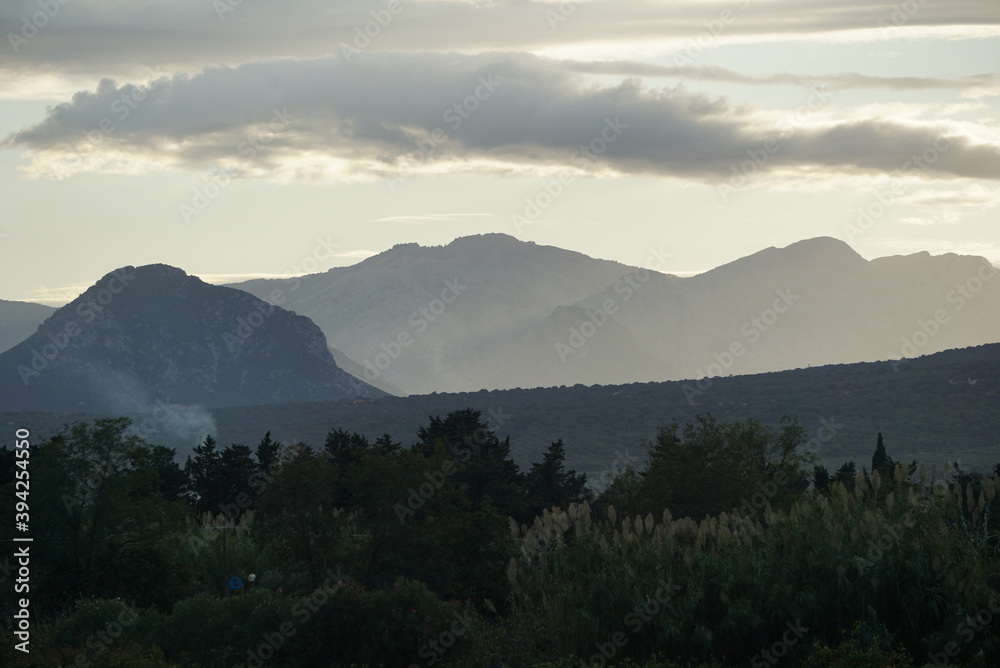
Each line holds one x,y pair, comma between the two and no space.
374,112
109,37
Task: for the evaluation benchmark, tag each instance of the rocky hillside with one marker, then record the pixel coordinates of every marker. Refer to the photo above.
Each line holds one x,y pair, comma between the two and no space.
149,336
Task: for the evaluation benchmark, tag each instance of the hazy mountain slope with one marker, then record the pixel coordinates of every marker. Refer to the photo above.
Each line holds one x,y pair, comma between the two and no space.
530,316
19,320
815,302
966,288
837,306
154,334
356,370
433,318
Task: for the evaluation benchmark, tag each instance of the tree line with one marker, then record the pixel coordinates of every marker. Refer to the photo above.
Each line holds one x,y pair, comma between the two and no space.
445,552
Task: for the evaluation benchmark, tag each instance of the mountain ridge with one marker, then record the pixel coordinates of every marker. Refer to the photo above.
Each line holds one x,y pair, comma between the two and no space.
513,327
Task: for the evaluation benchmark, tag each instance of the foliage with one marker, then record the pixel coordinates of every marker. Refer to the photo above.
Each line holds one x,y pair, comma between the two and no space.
396,626
550,484
445,553
864,648
710,467
104,505
735,582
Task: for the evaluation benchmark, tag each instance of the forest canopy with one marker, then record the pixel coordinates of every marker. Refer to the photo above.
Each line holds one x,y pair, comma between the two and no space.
730,544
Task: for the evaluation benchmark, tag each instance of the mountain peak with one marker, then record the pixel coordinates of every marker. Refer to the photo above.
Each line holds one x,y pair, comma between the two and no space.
467,243
820,245
824,253
159,275
493,238
160,270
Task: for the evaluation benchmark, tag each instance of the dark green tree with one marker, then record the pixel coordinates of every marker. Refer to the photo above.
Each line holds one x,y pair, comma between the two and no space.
550,484
162,461
343,446
104,504
422,524
385,445
880,460
624,493
237,469
343,449
886,467
483,461
847,475
821,478
296,516
267,452
710,467
205,477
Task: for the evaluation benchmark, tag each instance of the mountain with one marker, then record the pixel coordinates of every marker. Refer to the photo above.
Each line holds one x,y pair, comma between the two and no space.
152,336
427,319
492,312
19,320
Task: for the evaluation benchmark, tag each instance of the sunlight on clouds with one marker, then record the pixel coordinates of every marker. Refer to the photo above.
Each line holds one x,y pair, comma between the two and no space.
916,33
50,85
674,48
41,86
308,166
57,165
976,195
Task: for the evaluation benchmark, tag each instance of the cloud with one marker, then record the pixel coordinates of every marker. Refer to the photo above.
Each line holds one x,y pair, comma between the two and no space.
931,206
386,115
110,37
972,86
975,196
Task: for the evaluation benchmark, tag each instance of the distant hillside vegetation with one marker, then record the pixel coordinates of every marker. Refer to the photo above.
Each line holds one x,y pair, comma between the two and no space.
938,407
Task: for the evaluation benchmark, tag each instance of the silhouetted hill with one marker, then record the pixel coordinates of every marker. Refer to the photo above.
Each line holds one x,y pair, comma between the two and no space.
153,335
19,320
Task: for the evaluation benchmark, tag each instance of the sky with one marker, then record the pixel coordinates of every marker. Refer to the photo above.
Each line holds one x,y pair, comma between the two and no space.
245,138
